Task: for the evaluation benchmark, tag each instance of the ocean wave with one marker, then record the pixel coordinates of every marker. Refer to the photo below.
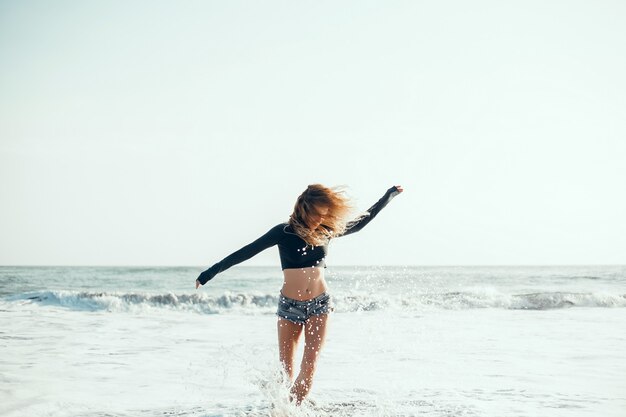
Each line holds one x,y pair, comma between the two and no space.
112,301
266,303
529,301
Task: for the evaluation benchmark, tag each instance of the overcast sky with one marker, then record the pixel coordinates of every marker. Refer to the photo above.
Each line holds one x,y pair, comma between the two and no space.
173,133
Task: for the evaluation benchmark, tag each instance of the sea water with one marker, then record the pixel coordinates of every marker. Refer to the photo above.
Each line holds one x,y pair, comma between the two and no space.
402,341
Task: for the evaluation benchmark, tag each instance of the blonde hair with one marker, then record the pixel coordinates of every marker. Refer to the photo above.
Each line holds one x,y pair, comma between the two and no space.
308,205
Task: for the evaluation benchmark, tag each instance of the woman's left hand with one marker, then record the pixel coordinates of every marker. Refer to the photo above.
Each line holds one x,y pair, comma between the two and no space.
399,187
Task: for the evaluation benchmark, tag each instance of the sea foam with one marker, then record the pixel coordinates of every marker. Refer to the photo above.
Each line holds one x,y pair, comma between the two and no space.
266,303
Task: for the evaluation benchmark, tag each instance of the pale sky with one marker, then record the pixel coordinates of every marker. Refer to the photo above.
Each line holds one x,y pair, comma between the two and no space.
173,133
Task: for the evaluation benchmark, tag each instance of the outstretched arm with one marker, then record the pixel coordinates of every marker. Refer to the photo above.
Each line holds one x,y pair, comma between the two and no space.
356,225
267,240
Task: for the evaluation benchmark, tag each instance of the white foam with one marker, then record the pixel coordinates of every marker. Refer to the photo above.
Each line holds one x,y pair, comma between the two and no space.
266,303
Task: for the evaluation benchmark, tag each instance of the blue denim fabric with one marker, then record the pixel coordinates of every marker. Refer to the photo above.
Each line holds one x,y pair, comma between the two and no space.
299,311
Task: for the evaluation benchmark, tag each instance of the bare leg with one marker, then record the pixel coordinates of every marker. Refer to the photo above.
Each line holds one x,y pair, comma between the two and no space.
288,335
314,335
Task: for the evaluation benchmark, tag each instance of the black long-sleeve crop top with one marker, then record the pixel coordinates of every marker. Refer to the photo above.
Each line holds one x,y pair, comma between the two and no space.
294,251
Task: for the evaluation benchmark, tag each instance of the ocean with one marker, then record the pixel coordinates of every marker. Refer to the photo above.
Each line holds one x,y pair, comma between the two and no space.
402,341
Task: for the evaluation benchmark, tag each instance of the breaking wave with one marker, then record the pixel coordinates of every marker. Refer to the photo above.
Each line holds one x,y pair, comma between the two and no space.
266,303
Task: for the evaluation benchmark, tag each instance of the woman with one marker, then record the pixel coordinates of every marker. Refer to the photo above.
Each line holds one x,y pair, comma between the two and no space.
304,304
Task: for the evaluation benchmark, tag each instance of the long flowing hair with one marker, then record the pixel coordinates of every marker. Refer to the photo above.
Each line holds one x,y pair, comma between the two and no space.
308,204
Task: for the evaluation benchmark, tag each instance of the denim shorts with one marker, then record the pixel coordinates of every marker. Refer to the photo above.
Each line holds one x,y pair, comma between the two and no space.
300,311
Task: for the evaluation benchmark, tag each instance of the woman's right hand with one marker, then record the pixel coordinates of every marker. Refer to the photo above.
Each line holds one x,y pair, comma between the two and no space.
197,284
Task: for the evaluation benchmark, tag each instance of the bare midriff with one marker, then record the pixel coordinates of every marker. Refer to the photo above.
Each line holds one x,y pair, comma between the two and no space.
303,283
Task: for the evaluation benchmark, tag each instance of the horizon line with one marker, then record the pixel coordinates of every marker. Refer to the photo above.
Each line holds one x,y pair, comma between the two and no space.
273,266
